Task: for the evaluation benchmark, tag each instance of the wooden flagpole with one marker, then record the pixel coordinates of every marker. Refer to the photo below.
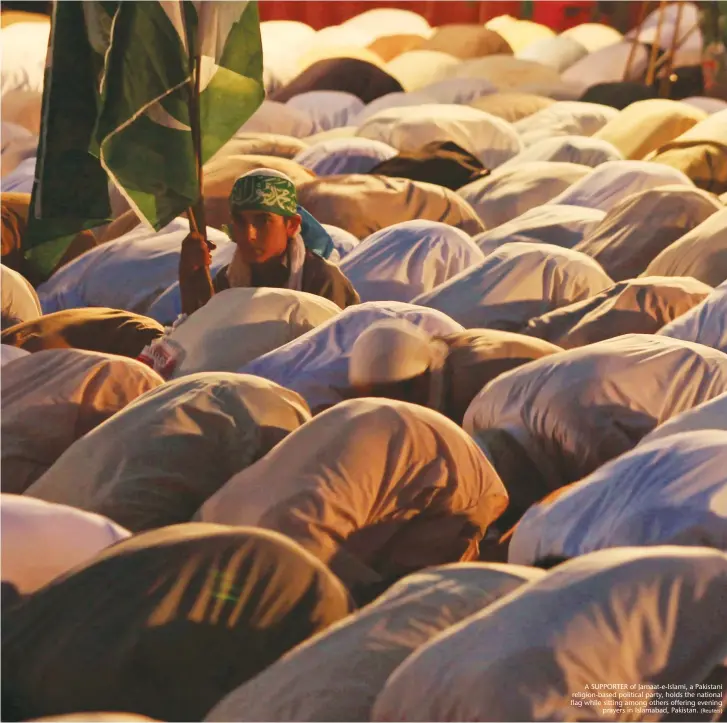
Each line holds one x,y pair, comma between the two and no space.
632,54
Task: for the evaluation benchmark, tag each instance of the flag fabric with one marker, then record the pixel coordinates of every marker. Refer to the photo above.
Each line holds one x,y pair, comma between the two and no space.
116,108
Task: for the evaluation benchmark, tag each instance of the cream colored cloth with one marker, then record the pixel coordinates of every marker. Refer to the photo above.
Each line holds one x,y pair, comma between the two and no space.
505,72
460,91
705,324
393,350
395,486
337,675
244,143
23,108
646,125
574,411
239,325
608,65
389,21
516,283
519,34
188,437
364,204
392,100
511,191
559,52
640,226
700,153
42,541
418,68
701,253
408,259
593,36
626,616
19,299
611,182
511,106
567,149
24,46
316,364
128,273
340,49
667,492
52,398
490,139
566,118
705,416
558,225
638,306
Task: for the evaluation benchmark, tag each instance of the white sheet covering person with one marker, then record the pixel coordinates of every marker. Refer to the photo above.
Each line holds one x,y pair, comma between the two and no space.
638,306
558,225
509,192
515,283
566,118
408,259
42,541
640,226
338,675
489,138
460,91
416,69
628,616
52,398
593,36
238,325
608,65
362,204
701,253
570,413
316,364
705,324
376,488
671,491
708,415
327,108
274,117
646,125
559,52
19,300
611,182
11,353
188,437
581,150
505,72
345,155
128,273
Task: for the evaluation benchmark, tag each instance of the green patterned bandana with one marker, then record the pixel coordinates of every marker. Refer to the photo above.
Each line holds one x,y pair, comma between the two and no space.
262,191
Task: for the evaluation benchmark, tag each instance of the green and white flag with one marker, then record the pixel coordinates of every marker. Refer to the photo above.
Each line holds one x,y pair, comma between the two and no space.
116,108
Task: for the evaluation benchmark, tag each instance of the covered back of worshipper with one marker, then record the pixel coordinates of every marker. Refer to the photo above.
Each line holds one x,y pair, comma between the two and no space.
117,633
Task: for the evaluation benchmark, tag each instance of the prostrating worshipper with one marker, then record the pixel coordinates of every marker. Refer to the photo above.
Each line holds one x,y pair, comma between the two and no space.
515,283
409,259
11,353
15,208
110,331
511,191
639,306
640,226
648,124
580,150
396,360
363,204
344,155
563,226
579,642
157,462
338,675
270,250
246,143
441,162
164,624
511,106
559,418
701,253
52,398
375,488
705,323
700,153
328,109
235,327
42,541
618,95
672,491
705,416
467,41
19,300
611,182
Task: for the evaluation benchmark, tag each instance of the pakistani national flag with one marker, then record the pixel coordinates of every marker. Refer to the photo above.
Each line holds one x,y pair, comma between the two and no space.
116,109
